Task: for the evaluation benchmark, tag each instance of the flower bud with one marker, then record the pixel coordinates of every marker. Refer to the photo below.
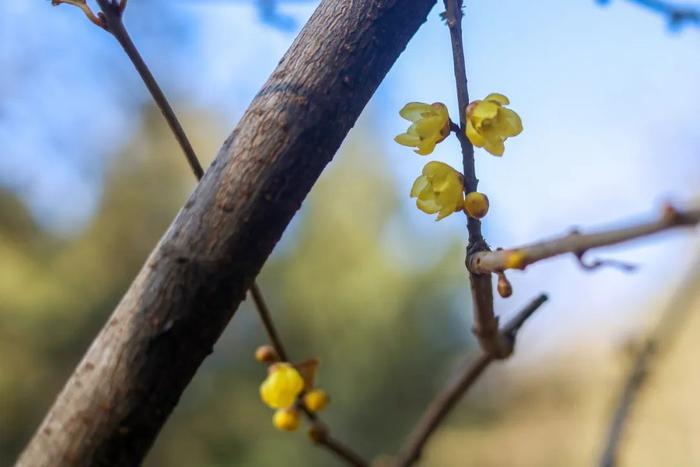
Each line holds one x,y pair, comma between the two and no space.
476,205
316,400
504,288
266,354
286,419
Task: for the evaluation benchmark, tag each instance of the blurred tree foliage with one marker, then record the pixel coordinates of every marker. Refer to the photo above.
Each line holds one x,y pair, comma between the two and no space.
384,332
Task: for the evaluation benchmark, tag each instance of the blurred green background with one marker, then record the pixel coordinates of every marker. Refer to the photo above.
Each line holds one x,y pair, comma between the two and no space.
90,178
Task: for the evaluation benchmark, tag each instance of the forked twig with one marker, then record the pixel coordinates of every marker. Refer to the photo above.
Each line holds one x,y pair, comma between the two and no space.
444,402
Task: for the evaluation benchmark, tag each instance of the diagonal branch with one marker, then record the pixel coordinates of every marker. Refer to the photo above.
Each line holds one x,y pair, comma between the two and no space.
659,339
127,384
441,406
577,243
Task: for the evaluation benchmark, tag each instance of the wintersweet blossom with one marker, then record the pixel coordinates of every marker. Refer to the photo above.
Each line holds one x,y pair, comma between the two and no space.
431,124
439,190
282,386
489,123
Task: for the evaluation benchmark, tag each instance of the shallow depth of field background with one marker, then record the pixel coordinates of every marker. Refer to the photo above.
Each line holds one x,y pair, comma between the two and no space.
90,178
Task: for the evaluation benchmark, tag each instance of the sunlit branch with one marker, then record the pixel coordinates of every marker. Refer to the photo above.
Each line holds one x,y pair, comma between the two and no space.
577,243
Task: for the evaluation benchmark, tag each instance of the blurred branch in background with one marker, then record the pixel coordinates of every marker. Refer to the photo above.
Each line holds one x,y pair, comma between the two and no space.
267,9
446,400
658,340
676,15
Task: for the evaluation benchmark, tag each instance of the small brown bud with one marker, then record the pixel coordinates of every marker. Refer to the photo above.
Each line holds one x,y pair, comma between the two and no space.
505,289
266,354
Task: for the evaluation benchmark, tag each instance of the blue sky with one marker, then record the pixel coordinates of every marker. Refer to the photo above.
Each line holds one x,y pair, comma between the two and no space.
608,96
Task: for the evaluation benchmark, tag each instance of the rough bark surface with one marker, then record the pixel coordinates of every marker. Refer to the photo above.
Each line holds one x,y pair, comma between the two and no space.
129,381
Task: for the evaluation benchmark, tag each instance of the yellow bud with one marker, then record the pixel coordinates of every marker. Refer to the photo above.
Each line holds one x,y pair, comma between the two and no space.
286,419
476,205
316,400
516,260
266,354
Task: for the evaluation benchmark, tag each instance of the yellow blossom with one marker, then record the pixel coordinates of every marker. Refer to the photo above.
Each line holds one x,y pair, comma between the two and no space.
282,386
286,419
316,400
431,124
489,123
438,190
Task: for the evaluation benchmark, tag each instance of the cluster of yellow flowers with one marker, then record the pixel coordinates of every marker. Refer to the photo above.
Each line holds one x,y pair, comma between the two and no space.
440,188
289,388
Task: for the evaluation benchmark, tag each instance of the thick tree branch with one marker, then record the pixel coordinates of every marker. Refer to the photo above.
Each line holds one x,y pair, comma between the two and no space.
662,336
115,403
441,406
519,258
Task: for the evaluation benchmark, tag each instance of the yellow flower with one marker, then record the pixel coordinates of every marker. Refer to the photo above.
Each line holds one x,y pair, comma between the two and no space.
286,419
439,190
489,123
431,124
316,400
282,386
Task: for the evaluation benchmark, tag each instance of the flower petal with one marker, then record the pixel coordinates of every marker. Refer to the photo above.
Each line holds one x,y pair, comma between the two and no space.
419,185
428,206
413,111
495,146
509,123
484,110
496,97
405,139
474,136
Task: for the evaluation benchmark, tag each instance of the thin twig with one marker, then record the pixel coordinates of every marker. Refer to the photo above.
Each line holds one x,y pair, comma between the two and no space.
453,15
577,243
485,320
659,338
441,406
320,436
112,16
266,318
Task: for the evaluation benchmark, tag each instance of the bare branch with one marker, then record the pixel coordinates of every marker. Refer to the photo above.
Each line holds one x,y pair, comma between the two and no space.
659,338
576,243
127,384
485,321
112,16
676,15
441,406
